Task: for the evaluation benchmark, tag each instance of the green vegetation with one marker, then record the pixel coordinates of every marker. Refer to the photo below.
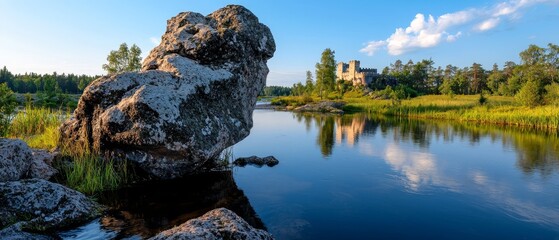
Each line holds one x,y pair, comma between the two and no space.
37,126
36,83
90,173
325,74
496,110
124,59
525,94
7,108
85,171
275,91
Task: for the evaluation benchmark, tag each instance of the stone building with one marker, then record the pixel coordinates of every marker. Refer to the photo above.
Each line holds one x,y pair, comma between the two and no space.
354,73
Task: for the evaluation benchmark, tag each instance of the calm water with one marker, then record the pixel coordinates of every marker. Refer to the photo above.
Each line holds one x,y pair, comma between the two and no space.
360,177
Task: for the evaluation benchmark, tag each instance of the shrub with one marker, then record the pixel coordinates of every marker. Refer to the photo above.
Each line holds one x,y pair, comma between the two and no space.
529,95
552,94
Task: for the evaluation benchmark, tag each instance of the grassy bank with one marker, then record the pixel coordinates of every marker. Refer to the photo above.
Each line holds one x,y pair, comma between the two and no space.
498,110
84,171
37,126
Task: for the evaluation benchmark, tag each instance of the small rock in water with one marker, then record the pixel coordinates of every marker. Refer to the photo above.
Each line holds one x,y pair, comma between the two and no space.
219,223
270,161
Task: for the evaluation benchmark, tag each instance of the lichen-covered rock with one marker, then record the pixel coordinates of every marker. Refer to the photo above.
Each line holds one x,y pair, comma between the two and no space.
219,223
15,232
193,98
15,159
41,165
37,205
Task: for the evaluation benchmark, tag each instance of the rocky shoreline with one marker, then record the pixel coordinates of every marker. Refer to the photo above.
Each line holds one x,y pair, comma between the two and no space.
193,98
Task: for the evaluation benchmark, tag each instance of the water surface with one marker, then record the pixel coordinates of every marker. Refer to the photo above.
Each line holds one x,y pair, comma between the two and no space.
362,177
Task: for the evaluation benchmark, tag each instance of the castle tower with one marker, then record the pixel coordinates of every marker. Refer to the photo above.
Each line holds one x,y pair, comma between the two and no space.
353,69
340,70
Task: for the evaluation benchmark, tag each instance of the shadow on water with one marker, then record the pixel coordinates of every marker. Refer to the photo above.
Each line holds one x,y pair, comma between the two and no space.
537,151
146,209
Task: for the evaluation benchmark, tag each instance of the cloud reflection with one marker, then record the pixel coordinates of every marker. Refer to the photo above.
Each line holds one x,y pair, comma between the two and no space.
418,168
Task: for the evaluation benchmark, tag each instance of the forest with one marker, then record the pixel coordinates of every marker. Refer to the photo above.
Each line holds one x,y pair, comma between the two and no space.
534,81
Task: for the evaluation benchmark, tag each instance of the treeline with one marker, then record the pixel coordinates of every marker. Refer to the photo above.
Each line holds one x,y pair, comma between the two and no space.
35,83
534,81
275,91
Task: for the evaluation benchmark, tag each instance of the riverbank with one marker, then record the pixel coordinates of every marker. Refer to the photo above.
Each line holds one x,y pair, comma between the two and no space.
497,110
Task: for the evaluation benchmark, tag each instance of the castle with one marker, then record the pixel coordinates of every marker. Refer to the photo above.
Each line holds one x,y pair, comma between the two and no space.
354,73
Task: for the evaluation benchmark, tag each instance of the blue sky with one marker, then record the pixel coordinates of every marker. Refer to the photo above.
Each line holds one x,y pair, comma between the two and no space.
75,36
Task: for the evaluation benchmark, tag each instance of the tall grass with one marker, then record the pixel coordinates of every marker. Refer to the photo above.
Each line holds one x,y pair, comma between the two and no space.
498,110
85,171
37,126
90,173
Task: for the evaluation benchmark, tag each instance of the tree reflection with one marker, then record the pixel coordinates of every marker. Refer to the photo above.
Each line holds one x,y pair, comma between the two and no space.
536,151
325,137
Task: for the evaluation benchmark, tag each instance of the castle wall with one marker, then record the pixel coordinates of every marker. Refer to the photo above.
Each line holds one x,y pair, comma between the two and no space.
354,73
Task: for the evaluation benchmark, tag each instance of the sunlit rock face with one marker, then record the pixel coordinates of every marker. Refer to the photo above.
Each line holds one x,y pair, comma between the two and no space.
193,98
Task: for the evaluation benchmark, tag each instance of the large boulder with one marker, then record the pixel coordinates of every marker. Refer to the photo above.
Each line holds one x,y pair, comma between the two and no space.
37,205
219,223
193,98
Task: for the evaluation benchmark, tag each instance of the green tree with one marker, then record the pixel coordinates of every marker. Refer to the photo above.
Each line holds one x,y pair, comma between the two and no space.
552,94
309,85
124,59
326,73
495,79
529,95
7,107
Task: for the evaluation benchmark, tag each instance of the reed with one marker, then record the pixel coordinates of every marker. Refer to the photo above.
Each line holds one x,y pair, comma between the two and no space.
498,110
37,126
90,173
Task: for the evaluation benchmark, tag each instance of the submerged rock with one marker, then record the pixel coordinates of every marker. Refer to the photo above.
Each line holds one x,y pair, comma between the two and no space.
270,161
219,223
37,205
323,107
193,98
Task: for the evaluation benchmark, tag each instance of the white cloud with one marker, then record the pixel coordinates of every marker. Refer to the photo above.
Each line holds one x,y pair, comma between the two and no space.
488,24
373,47
155,41
452,38
427,32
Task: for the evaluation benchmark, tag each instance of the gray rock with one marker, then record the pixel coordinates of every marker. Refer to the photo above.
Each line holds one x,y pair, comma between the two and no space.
39,205
15,232
15,159
41,166
193,98
323,107
270,161
219,223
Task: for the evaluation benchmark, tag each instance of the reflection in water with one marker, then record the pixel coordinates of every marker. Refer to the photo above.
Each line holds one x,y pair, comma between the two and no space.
325,137
537,151
146,209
